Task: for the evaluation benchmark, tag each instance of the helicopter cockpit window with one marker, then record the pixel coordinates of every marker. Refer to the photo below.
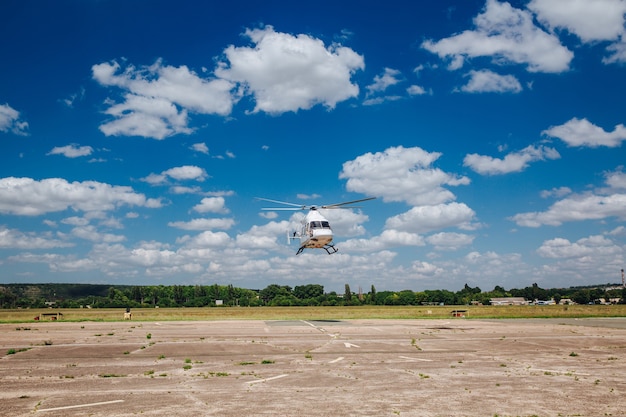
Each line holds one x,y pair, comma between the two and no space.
316,225
326,225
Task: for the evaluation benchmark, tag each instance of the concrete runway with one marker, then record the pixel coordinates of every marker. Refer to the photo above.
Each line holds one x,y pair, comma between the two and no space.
457,367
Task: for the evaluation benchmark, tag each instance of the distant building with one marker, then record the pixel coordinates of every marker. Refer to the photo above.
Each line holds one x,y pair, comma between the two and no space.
508,301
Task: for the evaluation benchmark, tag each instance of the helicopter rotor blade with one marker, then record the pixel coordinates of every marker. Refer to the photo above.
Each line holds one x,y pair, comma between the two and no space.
295,206
340,205
283,208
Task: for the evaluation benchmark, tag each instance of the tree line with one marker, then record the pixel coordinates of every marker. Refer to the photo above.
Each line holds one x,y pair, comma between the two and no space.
112,296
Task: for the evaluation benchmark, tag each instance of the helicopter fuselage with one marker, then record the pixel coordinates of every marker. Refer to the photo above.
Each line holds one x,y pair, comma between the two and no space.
315,233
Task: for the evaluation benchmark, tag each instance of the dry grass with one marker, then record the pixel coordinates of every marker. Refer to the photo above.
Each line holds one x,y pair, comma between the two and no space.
318,313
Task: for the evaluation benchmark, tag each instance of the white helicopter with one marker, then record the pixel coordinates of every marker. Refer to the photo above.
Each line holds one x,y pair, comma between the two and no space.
315,231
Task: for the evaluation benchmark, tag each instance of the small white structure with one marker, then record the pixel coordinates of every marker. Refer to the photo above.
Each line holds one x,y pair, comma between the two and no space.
508,301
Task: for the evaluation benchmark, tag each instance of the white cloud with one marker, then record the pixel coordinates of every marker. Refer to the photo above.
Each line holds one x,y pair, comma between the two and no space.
15,239
581,132
89,232
209,239
186,172
618,52
556,192
204,224
150,117
428,218
595,20
211,205
381,82
71,151
508,35
157,98
449,241
200,147
286,73
616,180
182,173
180,189
10,121
602,203
29,197
75,221
589,247
387,239
513,162
486,81
576,208
401,174
416,90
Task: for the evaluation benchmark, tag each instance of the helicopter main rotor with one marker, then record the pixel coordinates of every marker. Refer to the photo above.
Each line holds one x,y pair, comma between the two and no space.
312,207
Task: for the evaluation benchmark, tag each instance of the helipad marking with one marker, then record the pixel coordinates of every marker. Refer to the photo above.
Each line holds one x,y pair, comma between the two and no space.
321,329
416,359
69,407
350,345
266,379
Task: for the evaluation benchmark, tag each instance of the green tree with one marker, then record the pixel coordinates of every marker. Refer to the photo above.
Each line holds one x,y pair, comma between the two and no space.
372,295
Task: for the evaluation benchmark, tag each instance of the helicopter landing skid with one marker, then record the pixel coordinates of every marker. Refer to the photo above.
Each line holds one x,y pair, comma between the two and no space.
330,249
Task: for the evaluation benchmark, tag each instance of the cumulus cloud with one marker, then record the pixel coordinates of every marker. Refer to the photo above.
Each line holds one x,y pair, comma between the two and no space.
428,218
157,98
211,205
508,35
287,73
449,240
591,21
387,239
15,239
91,233
556,192
617,52
576,208
71,151
513,162
592,246
581,132
416,90
401,174
381,82
486,81
601,204
182,173
10,121
29,197
204,224
200,147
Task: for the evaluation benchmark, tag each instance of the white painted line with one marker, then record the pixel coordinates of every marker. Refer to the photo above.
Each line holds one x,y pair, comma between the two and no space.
81,405
266,379
339,359
350,345
554,371
321,329
416,359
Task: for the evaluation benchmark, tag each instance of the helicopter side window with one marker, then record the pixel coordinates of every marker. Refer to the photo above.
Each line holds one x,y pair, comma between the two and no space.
325,225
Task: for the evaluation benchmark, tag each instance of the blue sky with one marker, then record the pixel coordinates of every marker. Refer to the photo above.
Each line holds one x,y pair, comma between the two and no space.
135,136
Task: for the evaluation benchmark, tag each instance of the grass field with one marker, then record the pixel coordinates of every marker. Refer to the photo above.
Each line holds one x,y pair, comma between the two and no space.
319,313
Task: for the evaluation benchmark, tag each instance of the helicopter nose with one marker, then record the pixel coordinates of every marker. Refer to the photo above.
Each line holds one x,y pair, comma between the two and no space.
323,236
